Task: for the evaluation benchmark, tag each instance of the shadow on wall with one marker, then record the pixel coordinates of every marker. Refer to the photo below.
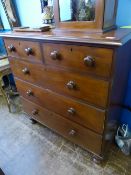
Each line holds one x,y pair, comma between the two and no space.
124,19
126,115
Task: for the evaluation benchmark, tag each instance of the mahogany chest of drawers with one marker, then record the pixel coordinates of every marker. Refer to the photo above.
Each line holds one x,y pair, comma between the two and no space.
73,83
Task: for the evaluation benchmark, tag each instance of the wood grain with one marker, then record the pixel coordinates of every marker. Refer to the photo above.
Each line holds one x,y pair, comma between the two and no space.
72,57
82,136
112,39
88,116
94,91
20,47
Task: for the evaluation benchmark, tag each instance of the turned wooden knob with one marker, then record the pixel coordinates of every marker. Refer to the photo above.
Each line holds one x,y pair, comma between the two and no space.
71,111
29,51
29,92
71,85
11,48
72,132
54,55
35,112
25,70
89,61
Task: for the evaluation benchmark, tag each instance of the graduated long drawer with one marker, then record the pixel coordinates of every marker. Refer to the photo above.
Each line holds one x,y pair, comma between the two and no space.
81,113
72,131
79,86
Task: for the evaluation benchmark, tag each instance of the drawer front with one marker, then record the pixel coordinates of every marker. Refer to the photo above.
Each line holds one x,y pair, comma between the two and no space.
81,113
27,50
94,91
65,127
89,59
86,88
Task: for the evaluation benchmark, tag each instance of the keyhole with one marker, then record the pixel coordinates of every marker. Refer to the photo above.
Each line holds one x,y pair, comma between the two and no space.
71,49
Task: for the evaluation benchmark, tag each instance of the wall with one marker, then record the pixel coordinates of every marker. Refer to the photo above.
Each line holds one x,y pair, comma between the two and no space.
124,12
124,18
29,12
31,15
126,115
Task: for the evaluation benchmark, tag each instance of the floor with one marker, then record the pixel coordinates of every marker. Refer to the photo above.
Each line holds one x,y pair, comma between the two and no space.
27,149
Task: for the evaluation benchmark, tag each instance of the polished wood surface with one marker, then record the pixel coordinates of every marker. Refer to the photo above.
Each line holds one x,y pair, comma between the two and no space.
79,25
114,38
88,116
79,78
87,88
26,50
68,129
75,57
101,23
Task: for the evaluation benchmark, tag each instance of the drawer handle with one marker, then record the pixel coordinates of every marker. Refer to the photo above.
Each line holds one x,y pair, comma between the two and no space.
29,92
55,55
25,70
89,61
71,111
72,132
35,112
11,48
29,51
71,85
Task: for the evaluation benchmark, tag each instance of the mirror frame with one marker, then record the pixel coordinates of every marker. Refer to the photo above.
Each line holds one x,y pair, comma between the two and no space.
97,24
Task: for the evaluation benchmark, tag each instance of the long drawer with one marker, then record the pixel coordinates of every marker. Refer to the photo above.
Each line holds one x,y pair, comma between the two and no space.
93,60
72,131
88,116
27,50
87,88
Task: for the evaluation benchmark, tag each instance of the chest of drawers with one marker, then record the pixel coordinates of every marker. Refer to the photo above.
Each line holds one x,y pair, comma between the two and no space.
73,84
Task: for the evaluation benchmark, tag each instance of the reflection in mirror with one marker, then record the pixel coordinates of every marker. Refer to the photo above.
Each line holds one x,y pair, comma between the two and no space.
77,10
47,11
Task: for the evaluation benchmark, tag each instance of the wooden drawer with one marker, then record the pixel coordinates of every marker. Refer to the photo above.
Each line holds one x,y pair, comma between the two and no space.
65,127
89,59
27,50
87,88
81,113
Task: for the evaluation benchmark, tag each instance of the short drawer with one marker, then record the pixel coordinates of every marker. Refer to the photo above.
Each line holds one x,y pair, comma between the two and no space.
86,88
93,60
88,116
72,131
27,50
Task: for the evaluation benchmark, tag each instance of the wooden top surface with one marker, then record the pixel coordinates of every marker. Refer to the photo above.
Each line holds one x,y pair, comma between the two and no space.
115,37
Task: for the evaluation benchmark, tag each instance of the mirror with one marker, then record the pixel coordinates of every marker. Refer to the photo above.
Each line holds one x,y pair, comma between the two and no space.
77,10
